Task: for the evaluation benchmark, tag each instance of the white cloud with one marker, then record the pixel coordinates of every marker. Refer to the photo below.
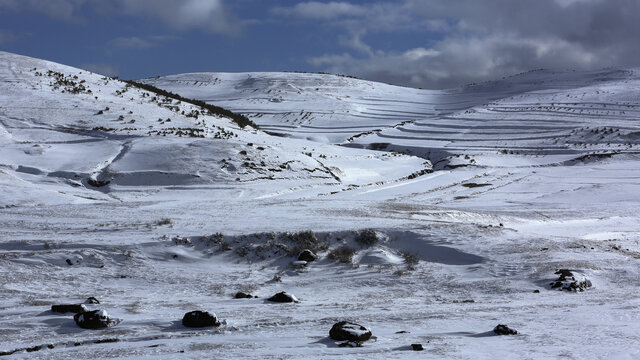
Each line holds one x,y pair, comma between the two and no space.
129,43
208,15
322,10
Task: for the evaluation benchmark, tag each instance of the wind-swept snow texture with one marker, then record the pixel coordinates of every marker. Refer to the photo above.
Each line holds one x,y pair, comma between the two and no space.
474,199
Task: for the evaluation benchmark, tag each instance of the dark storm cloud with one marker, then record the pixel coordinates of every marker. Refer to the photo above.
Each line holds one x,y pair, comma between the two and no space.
482,40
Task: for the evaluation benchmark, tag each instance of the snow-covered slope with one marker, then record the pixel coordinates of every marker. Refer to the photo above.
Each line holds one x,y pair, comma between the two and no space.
322,107
83,135
157,218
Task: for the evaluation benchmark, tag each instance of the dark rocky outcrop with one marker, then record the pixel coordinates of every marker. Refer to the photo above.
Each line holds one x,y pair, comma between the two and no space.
569,281
69,308
307,255
504,330
96,319
283,297
417,347
349,331
199,319
92,300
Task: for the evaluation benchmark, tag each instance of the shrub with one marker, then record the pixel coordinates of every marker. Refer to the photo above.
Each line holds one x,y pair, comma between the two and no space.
164,221
343,254
304,240
367,237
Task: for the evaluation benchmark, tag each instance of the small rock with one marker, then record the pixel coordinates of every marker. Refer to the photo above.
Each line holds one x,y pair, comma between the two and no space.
504,330
198,319
417,347
536,291
69,308
92,300
96,319
241,295
69,262
307,255
283,297
349,331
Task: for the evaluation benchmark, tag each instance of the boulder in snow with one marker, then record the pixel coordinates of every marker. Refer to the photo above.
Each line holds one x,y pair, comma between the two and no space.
242,295
570,281
198,319
349,331
283,297
69,308
307,255
96,319
504,330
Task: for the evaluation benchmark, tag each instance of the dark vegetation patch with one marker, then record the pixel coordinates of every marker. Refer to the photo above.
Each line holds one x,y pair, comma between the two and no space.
367,237
342,254
474,185
239,119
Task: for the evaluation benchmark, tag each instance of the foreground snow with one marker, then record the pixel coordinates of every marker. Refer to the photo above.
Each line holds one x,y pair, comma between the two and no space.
460,250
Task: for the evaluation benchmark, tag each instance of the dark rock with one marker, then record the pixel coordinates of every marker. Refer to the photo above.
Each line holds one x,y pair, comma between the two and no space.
98,183
241,295
96,319
417,347
349,331
69,262
69,308
569,281
92,300
198,319
536,291
307,255
504,330
34,348
283,297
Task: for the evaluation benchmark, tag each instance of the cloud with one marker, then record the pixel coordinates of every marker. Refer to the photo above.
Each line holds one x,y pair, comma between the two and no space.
212,16
102,69
129,43
456,42
325,11
66,10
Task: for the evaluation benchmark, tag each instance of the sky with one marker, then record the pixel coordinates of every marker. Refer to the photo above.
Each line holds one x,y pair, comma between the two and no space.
431,44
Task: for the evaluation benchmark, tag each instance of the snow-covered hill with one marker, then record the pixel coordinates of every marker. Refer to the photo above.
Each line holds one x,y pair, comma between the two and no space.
81,135
158,208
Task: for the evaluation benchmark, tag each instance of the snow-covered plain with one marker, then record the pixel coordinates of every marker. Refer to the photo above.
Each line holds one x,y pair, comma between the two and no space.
531,174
